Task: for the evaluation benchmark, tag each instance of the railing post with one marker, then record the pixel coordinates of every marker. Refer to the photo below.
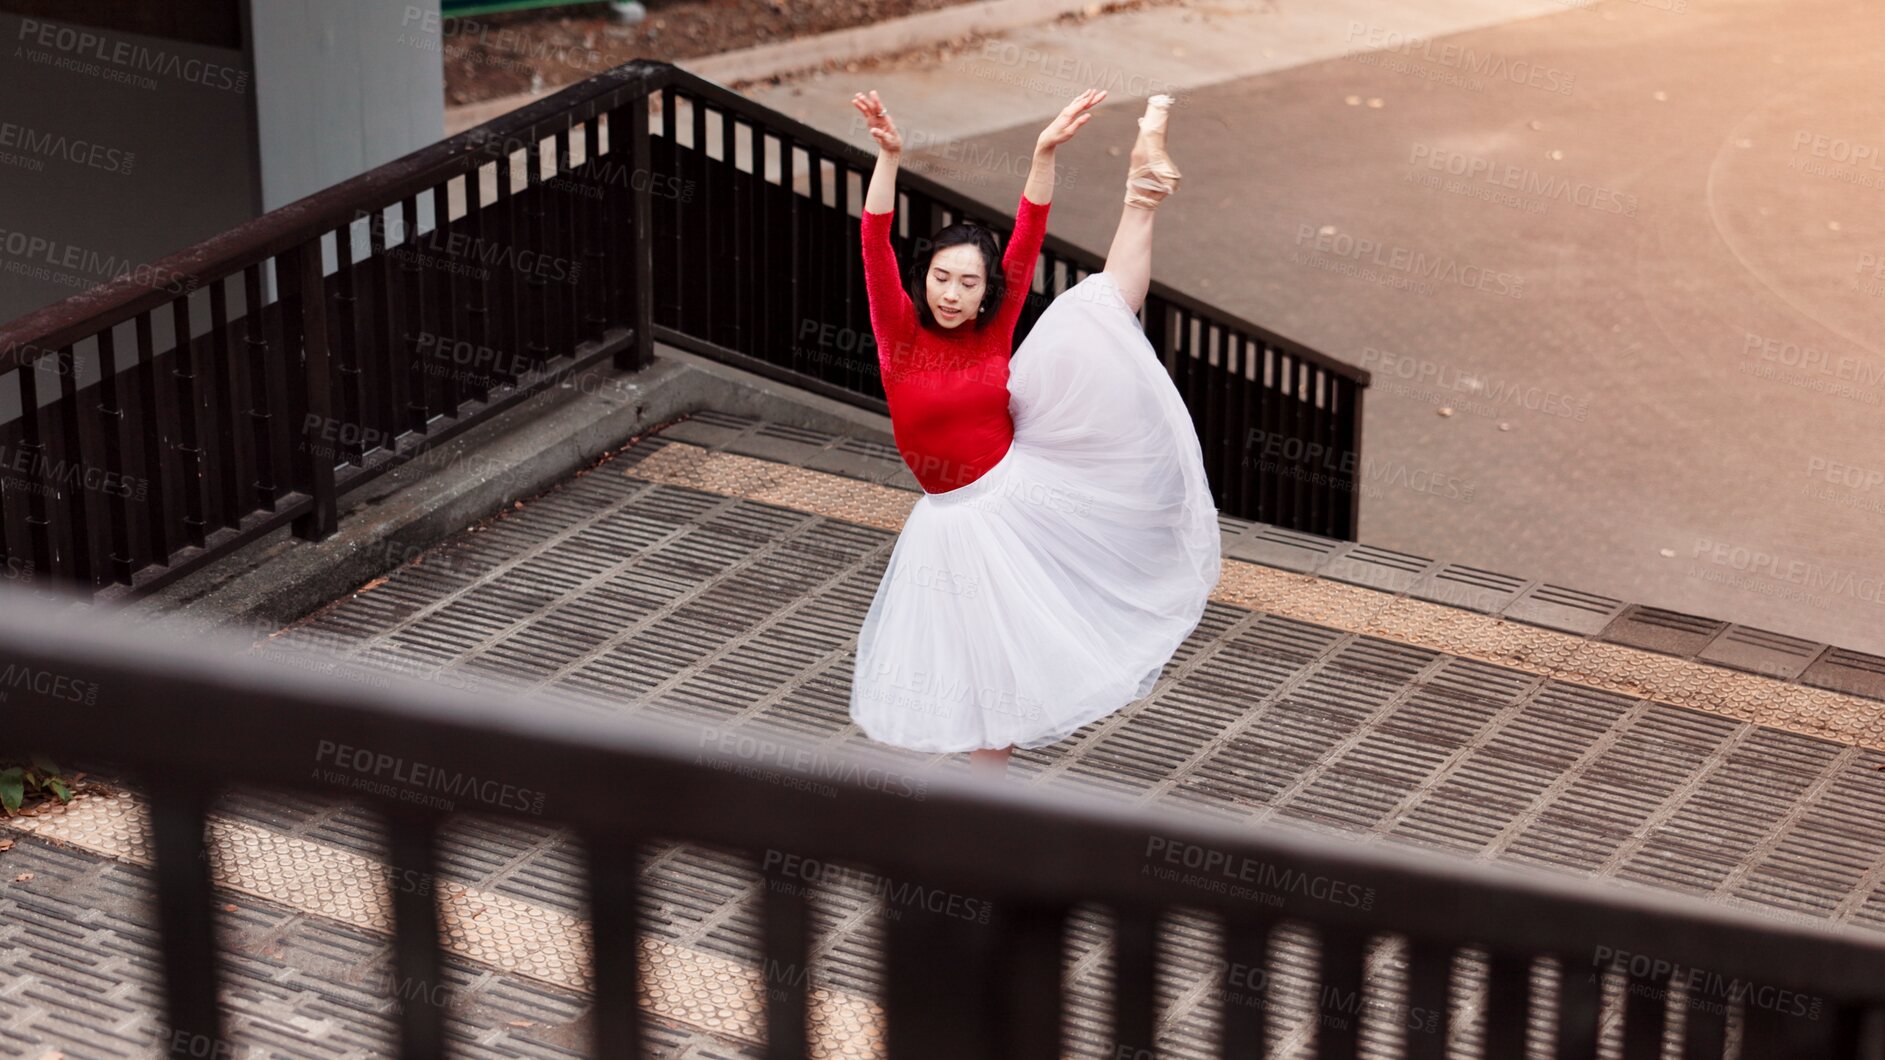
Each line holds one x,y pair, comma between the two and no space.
185,918
641,182
418,986
1135,984
1356,390
928,957
305,329
615,942
785,970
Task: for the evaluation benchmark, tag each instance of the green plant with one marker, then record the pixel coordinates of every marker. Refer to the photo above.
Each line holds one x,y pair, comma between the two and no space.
40,777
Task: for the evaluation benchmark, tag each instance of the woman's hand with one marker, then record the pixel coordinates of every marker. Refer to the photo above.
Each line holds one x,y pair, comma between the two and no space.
1070,120
883,130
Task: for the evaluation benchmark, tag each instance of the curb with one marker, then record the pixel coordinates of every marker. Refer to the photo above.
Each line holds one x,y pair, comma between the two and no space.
762,61
521,452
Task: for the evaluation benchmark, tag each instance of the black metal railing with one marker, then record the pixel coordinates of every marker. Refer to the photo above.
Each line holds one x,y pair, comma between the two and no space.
1487,952
257,378
756,251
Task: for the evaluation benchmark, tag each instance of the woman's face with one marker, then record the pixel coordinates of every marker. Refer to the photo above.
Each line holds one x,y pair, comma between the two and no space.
955,284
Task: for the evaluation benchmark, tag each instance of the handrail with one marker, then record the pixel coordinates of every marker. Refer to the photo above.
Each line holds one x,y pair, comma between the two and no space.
308,384
286,227
910,179
283,229
206,716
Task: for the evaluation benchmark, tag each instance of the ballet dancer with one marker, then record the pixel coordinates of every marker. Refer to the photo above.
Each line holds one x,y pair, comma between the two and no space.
1066,541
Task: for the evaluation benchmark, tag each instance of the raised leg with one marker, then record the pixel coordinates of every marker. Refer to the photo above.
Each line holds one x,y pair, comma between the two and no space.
1129,259
1150,179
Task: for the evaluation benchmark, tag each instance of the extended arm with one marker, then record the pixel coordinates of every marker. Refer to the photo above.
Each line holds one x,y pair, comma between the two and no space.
892,315
1024,246
1017,262
1040,185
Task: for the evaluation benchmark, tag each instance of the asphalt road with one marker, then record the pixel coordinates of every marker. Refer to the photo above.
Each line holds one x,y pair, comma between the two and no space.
1634,247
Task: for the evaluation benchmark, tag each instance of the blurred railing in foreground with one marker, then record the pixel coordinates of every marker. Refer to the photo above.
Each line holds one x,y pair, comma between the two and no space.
257,378
1477,950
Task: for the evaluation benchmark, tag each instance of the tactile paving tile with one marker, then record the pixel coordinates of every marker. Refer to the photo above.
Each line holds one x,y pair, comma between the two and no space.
774,441
760,480
1457,585
1570,610
1274,546
1842,670
1530,644
1375,567
1662,630
1762,652
701,989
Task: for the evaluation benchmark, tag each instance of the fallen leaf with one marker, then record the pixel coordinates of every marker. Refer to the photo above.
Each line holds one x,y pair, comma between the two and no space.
22,877
229,908
6,844
527,1023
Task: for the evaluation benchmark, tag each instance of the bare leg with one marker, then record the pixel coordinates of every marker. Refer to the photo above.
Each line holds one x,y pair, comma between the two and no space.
1152,176
1130,257
990,761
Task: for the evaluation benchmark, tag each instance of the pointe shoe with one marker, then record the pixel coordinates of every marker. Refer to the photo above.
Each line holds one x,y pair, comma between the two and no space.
1152,176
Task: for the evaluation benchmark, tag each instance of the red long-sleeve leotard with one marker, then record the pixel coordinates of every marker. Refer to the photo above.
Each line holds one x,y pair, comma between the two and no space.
948,388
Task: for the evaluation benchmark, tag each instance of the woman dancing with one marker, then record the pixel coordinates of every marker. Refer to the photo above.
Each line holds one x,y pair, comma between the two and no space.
1066,541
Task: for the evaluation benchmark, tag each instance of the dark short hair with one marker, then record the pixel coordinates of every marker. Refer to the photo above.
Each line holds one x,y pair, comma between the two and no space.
962,232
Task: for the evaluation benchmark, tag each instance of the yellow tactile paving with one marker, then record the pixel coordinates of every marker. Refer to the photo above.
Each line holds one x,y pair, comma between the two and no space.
1357,609
781,484
682,984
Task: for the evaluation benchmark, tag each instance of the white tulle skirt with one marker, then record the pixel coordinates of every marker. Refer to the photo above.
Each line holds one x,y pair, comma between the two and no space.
1052,590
